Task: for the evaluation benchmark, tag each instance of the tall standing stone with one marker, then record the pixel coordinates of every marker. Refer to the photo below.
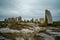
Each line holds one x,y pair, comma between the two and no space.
48,17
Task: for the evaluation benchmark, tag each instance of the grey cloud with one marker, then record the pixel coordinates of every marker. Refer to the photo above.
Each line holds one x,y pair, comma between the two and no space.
10,8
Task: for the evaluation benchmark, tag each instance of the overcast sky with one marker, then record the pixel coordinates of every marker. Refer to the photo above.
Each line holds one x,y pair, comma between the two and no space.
29,8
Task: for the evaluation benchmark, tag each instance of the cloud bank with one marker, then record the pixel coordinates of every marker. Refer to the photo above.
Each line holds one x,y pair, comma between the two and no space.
29,8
